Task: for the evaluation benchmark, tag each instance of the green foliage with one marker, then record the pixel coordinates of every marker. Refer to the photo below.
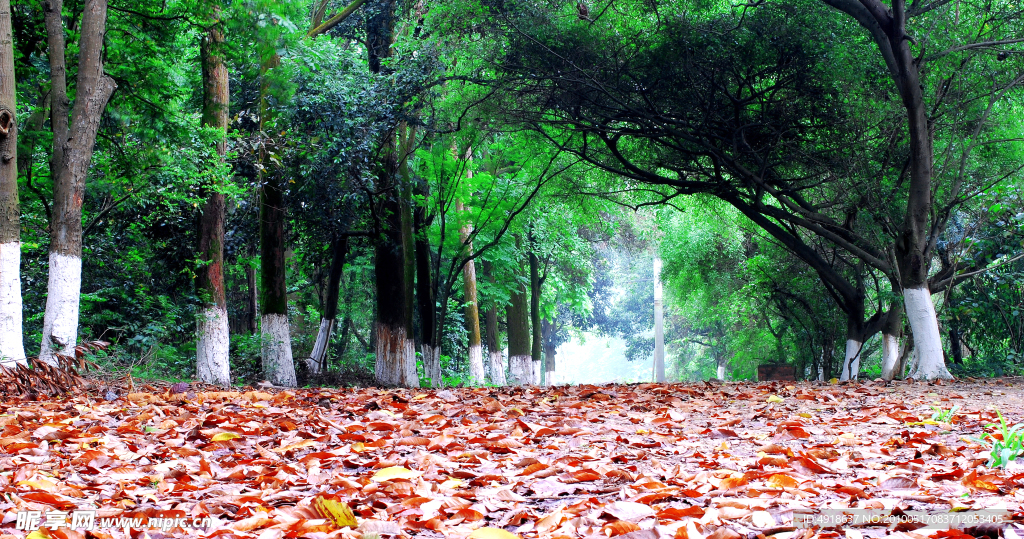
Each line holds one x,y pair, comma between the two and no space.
1006,444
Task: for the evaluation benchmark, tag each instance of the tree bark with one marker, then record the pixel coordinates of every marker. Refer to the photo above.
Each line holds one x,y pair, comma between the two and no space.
472,310
891,341
278,365
12,349
494,355
252,301
395,351
550,350
659,327
318,357
429,348
520,363
537,348
212,334
69,167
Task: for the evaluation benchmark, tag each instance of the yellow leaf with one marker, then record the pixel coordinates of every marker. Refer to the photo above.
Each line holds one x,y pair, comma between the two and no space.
805,414
775,398
642,431
420,397
38,534
723,447
224,436
358,447
395,472
338,512
492,533
834,381
41,484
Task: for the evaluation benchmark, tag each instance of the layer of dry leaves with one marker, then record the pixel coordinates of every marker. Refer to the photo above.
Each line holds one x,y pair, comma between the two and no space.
716,461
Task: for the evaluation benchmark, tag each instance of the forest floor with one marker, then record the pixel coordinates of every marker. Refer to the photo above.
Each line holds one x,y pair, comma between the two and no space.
688,461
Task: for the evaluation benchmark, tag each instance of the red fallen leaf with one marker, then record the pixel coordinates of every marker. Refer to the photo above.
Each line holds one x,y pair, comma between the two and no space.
974,482
952,475
782,481
951,533
775,449
724,433
48,499
18,446
584,475
724,532
469,515
619,527
940,450
413,440
534,468
676,513
651,498
808,464
792,433
853,492
730,483
778,462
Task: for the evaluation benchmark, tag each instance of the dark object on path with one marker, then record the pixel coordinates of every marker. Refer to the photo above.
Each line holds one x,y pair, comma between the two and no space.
180,387
776,371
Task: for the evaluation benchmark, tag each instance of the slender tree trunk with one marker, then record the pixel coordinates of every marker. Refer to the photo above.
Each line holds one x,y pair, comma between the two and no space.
69,166
854,347
497,365
520,364
11,345
318,357
550,349
212,334
537,348
659,327
721,362
252,301
278,366
429,348
472,310
891,341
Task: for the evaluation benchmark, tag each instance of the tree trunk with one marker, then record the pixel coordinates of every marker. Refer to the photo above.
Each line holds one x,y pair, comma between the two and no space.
252,302
69,166
722,361
854,347
891,341
472,310
429,348
11,345
396,354
276,348
213,364
537,348
550,349
318,357
659,327
497,365
520,364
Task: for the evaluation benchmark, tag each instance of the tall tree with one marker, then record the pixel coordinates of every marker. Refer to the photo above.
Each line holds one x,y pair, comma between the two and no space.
472,309
536,333
318,357
11,345
396,352
212,335
69,166
520,363
659,328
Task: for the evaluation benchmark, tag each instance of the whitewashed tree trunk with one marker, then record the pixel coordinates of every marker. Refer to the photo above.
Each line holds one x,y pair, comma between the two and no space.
659,329
930,364
60,323
890,356
431,364
277,350
396,357
721,367
497,367
476,365
537,372
212,357
323,338
520,370
12,349
851,362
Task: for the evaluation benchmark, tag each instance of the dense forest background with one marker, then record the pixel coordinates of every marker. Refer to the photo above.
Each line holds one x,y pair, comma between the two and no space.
407,192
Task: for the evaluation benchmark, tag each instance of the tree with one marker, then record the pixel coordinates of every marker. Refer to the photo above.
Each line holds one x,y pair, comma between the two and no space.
69,166
11,346
212,334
